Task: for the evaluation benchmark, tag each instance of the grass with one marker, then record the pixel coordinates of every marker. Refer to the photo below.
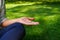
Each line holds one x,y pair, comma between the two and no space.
47,14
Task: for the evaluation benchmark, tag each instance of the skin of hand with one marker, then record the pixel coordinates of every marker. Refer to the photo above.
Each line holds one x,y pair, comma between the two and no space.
27,21
23,20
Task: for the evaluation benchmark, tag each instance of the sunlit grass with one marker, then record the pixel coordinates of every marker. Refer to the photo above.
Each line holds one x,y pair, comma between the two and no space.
47,15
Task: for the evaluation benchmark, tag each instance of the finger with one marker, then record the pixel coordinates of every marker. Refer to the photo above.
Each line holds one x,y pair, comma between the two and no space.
33,23
30,18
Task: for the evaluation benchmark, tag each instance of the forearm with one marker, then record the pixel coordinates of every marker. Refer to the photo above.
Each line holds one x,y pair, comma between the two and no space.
23,20
8,22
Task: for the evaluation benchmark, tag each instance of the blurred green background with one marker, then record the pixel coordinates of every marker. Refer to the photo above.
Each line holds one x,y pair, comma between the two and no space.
47,12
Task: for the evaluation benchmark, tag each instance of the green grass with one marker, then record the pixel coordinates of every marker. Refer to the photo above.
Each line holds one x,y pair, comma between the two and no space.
47,14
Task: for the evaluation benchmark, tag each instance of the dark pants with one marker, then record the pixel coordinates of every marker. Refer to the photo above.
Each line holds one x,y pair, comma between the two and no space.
14,31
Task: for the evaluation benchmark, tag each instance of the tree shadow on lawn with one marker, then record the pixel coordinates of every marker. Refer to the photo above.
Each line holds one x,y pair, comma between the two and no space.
44,10
47,15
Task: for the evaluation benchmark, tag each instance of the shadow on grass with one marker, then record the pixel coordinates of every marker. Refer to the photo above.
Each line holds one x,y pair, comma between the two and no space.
47,15
36,10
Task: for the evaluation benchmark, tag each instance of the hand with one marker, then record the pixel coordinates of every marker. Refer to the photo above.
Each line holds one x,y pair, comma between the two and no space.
27,21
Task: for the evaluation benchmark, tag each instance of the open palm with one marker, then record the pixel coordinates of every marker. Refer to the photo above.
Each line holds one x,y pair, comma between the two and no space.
27,21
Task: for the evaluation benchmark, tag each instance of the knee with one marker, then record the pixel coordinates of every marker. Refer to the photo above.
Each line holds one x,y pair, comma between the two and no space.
18,25
20,28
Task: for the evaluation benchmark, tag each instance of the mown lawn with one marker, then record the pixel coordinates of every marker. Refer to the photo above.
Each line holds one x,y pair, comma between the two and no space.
47,14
